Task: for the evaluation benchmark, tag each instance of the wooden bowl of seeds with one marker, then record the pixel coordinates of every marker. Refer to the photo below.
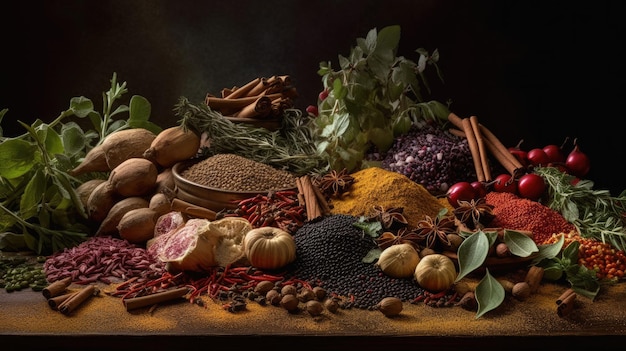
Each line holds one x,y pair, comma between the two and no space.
220,182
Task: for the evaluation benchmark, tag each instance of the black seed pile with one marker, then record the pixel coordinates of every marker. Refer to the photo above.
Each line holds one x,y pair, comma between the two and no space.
330,252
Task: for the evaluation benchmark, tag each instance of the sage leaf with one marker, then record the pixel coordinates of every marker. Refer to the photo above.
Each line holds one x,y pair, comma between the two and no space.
472,253
33,195
549,251
489,294
519,244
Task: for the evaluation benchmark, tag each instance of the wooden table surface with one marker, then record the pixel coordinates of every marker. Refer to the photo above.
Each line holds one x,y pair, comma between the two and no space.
103,322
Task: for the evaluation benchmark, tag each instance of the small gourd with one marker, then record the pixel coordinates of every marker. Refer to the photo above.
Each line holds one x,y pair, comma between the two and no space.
269,247
435,272
398,261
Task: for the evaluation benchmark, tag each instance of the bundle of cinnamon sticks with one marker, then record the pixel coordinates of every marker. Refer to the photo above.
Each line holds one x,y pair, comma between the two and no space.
312,198
260,98
59,299
481,140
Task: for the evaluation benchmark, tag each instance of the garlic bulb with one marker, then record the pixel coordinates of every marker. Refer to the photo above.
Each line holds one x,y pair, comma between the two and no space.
399,261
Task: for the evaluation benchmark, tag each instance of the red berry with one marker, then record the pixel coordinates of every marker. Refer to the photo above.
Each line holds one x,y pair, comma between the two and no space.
312,110
504,183
462,191
538,157
531,186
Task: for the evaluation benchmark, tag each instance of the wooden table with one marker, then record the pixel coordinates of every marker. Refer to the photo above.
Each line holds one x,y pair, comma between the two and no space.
102,322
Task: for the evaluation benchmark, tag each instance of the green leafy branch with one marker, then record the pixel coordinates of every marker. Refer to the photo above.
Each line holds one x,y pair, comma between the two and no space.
373,97
40,209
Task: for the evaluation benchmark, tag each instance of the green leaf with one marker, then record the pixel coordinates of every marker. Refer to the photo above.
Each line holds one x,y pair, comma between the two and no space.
549,251
519,244
571,251
388,39
552,270
16,157
32,196
139,109
372,255
74,141
472,253
489,294
52,140
81,106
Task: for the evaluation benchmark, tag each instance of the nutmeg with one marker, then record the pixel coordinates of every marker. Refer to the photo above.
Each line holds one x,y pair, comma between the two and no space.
390,306
273,297
502,250
289,290
263,287
521,291
290,302
306,295
314,307
331,305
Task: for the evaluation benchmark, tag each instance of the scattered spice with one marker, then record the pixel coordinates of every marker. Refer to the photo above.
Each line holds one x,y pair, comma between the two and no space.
379,187
516,213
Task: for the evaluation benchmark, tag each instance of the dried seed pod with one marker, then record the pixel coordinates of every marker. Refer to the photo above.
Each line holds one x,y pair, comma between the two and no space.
290,302
289,290
100,201
390,306
320,293
173,145
331,305
273,297
137,226
94,161
134,177
124,144
263,287
110,222
86,188
314,307
306,295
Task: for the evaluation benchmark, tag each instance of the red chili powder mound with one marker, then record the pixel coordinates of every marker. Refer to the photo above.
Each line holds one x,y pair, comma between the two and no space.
513,212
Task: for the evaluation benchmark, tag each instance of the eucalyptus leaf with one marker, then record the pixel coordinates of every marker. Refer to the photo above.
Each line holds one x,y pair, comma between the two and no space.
489,294
519,244
472,253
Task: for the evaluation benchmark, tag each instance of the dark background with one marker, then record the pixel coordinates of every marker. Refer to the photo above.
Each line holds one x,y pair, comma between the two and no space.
539,71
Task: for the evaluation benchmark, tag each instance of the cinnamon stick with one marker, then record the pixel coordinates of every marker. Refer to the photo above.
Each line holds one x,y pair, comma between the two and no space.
498,144
564,295
191,209
244,90
56,288
312,206
260,108
473,146
229,106
484,161
566,306
152,299
56,301
74,301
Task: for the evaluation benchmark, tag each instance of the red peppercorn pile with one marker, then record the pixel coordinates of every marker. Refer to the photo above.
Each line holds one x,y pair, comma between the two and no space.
606,260
516,213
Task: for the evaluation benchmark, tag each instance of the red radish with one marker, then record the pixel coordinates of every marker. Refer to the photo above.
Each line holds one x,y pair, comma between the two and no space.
577,162
520,155
323,95
505,183
312,110
554,153
480,189
538,157
531,186
460,191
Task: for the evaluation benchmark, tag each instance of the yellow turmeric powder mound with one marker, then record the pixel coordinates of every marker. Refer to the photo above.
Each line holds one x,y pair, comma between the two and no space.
379,187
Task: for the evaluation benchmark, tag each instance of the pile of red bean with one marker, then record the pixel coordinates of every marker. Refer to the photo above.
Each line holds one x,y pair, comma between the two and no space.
104,259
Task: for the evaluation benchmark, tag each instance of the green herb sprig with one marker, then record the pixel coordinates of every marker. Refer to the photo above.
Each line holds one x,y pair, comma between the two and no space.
291,148
594,212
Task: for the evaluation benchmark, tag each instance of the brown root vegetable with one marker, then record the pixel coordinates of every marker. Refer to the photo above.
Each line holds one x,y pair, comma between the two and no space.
94,161
126,143
173,145
110,222
165,181
137,226
160,203
134,177
100,201
86,188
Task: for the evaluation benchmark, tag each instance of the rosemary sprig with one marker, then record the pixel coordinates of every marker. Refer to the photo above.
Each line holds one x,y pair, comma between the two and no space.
595,213
291,148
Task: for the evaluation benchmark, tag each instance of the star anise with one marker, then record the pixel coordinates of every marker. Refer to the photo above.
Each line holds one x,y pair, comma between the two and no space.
335,183
475,214
391,217
402,236
433,233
